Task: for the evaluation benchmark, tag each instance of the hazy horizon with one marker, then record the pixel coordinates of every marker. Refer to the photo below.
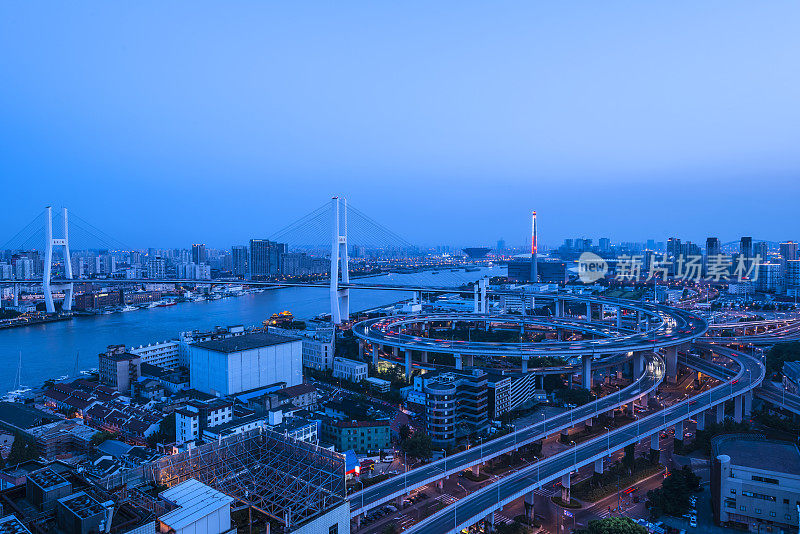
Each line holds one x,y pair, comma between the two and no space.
168,124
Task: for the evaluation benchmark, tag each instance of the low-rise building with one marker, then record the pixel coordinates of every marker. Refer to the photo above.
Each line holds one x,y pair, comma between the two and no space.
351,370
165,354
755,483
360,436
119,369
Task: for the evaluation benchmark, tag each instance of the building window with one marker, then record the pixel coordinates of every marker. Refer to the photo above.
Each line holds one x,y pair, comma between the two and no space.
788,517
758,510
743,508
334,529
772,514
785,501
733,492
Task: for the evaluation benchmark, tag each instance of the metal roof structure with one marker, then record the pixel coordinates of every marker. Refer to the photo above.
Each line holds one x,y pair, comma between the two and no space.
286,479
195,500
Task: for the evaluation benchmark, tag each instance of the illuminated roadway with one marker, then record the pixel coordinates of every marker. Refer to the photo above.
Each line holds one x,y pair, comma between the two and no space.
676,327
399,485
491,498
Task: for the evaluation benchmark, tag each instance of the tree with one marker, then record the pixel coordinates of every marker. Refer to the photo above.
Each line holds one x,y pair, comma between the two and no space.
577,396
22,450
418,445
672,498
780,353
404,432
100,437
613,525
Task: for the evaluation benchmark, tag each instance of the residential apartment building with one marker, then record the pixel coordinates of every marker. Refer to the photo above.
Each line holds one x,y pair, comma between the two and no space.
351,370
360,436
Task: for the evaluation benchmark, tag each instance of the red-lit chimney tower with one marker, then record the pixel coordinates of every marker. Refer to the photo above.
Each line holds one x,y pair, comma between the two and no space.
534,250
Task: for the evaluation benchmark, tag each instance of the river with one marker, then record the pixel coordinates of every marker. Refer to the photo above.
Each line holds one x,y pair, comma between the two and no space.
56,349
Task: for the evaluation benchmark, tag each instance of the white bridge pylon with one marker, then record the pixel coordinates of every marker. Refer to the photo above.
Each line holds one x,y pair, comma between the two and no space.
340,297
51,241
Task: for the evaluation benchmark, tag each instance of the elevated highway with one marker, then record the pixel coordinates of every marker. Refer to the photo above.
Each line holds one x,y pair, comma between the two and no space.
362,501
493,497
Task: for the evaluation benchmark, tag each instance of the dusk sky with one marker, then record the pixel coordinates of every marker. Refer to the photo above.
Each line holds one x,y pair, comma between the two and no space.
171,123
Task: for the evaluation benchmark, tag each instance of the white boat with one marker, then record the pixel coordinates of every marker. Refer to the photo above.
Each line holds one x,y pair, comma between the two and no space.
153,304
128,308
199,299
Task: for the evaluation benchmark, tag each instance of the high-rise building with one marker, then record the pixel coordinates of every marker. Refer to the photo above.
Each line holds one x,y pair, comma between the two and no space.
265,256
651,244
760,250
769,277
239,260
156,267
712,246
792,276
605,244
501,245
199,253
746,247
788,250
673,247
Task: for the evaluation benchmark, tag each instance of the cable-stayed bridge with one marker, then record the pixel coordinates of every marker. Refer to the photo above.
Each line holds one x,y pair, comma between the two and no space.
332,231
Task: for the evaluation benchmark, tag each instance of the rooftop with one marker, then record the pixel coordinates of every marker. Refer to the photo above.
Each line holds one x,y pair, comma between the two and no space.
11,525
246,342
753,451
196,500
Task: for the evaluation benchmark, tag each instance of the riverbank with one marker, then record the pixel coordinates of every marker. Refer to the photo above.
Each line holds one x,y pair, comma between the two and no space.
58,348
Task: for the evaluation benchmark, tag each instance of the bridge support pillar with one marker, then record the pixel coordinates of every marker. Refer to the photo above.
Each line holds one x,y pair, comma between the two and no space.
440,485
459,362
598,466
720,412
360,348
589,422
530,502
565,487
638,365
701,421
375,352
619,317
423,357
586,371
672,364
588,311
638,321
610,413
655,448
524,364
489,523
748,402
737,408
559,307
408,364
396,353
469,360
679,431
359,517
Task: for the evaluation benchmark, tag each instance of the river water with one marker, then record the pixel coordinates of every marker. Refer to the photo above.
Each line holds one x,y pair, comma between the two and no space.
57,349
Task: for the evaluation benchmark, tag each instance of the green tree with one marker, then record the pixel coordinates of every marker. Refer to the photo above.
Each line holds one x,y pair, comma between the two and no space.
576,396
404,432
780,353
672,498
22,450
100,437
613,525
418,445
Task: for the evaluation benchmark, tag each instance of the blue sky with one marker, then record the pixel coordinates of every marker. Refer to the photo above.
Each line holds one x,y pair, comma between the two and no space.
171,123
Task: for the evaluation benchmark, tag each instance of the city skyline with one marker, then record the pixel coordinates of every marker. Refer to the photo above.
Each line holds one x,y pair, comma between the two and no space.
636,120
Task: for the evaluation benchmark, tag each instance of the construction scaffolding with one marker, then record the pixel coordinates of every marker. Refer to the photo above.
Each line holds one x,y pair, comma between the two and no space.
283,478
